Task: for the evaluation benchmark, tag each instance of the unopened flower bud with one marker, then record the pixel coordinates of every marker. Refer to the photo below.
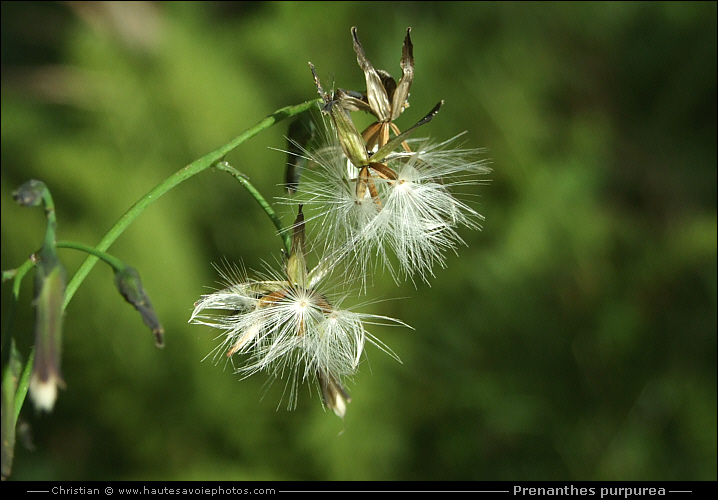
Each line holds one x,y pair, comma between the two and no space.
49,296
127,281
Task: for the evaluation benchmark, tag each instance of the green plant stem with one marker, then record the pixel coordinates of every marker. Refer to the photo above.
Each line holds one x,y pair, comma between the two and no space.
114,262
190,170
226,167
8,347
98,252
23,384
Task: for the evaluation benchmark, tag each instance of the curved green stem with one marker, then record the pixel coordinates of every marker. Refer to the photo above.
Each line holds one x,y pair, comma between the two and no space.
50,234
190,170
115,263
23,384
244,180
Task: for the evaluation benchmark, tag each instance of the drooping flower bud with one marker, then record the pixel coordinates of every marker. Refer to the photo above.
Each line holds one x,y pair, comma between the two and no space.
49,297
127,281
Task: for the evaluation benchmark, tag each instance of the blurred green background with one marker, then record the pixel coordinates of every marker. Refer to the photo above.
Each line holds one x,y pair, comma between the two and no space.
573,339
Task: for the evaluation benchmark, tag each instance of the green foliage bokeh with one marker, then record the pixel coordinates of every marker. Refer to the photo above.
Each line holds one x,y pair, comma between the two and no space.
574,338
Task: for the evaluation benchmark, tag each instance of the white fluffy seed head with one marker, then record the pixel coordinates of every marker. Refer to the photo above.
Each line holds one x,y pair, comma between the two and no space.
414,218
285,329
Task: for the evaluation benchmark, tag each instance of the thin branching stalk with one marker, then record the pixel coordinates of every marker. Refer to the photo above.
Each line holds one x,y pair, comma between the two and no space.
244,180
115,263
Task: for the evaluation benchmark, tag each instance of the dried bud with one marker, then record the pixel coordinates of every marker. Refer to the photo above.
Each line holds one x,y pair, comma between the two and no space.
386,100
